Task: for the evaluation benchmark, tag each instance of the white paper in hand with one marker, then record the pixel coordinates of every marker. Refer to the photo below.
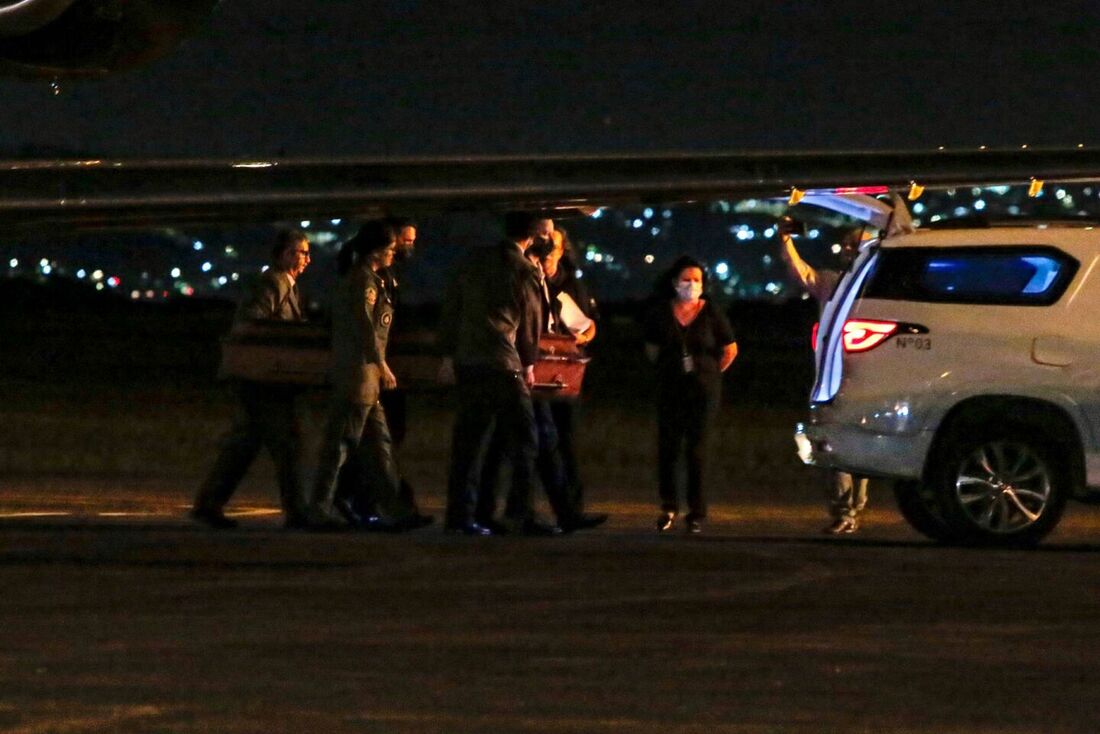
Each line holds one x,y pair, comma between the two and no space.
572,316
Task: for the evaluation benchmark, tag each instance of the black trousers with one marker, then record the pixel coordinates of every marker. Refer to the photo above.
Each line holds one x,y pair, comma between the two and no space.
564,413
268,417
684,414
549,464
488,398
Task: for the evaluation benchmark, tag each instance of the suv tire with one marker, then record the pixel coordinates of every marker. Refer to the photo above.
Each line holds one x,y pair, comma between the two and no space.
919,505
1003,487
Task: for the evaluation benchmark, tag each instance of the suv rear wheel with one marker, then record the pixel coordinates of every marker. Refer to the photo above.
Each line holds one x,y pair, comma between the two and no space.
919,504
1005,488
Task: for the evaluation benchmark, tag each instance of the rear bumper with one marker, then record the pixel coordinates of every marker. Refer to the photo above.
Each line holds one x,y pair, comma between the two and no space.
855,450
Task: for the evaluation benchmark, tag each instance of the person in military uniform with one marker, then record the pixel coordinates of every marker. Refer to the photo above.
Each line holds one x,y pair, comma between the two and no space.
268,414
362,507
490,333
362,314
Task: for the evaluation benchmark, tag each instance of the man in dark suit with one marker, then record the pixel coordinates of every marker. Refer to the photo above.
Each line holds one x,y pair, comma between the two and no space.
268,414
490,333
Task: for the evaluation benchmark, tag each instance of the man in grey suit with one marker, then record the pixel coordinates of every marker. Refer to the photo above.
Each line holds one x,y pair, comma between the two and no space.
268,414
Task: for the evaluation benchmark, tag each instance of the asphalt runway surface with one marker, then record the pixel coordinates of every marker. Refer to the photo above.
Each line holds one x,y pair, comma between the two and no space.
118,615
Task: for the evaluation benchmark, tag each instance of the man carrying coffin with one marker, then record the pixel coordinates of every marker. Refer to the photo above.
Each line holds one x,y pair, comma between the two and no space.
267,413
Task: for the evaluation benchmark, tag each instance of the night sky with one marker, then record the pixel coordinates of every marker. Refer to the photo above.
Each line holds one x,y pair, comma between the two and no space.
347,77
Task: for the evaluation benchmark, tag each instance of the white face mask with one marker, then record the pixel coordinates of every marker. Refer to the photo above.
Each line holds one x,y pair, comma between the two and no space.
689,290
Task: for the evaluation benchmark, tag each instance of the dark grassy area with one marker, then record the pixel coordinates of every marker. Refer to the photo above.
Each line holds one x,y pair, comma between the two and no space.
99,387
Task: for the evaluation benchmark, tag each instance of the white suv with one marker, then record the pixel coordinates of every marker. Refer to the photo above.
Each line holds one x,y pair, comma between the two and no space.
965,363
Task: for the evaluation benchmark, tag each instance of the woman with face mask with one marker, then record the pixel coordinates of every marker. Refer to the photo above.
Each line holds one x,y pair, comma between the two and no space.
692,344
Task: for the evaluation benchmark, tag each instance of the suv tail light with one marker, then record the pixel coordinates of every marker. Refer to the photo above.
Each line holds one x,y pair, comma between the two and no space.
860,335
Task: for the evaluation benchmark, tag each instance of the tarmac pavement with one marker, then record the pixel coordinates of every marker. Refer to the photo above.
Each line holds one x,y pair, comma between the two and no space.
119,615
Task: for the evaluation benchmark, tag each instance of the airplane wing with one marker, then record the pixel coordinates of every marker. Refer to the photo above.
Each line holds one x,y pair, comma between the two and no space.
86,39
134,193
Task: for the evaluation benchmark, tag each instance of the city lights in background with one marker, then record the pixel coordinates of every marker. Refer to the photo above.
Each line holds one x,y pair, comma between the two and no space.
743,232
619,251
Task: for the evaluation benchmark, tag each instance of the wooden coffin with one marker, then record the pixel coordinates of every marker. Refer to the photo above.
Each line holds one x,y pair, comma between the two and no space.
559,373
288,353
277,352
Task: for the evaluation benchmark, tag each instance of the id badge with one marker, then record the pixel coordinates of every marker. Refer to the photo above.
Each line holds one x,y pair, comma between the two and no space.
689,364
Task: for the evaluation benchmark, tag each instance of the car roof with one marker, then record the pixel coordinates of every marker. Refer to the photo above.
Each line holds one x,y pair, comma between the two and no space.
1041,233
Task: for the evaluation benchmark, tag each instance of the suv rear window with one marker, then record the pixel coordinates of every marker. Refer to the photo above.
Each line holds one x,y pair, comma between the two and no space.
1010,276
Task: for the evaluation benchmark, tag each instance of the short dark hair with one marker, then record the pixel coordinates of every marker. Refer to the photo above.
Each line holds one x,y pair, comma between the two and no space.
286,238
664,288
373,235
519,225
399,223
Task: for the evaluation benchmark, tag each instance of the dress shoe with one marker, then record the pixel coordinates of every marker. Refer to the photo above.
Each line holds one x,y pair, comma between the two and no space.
843,526
417,521
322,521
497,527
664,522
582,522
532,528
212,517
379,524
472,528
344,507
